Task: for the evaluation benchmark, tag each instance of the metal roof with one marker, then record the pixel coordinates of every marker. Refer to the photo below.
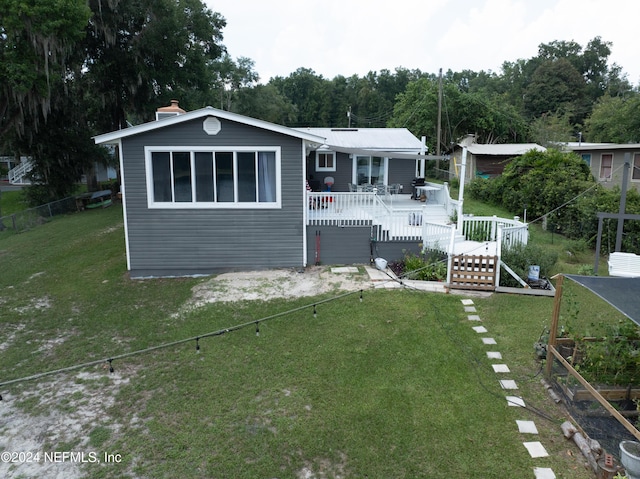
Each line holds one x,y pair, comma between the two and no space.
398,140
504,149
604,146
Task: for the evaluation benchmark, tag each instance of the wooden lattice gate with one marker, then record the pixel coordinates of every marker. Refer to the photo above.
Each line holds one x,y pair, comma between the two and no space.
473,272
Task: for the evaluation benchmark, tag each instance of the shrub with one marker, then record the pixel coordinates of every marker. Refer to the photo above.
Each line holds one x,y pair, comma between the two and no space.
519,257
427,266
615,358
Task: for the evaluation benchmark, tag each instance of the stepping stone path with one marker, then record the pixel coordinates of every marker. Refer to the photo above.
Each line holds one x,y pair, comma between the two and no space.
535,448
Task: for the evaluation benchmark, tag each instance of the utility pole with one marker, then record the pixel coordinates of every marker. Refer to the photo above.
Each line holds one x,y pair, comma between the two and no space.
439,121
349,116
623,200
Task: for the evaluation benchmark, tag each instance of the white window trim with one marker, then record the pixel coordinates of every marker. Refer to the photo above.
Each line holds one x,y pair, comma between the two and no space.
325,152
633,159
195,205
602,178
354,167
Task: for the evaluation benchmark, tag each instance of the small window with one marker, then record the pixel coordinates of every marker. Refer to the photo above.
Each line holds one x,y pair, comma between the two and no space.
606,162
635,175
586,157
325,161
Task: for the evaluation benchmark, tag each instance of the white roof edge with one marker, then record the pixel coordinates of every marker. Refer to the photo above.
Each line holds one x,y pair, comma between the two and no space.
114,136
605,146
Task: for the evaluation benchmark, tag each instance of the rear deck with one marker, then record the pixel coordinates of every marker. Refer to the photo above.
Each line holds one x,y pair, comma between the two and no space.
430,222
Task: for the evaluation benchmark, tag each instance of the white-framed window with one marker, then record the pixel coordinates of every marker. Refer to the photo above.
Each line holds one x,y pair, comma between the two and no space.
202,177
325,161
606,164
635,167
369,170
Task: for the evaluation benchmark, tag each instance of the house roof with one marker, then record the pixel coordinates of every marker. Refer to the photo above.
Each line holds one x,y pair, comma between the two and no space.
383,139
504,149
397,143
115,136
604,146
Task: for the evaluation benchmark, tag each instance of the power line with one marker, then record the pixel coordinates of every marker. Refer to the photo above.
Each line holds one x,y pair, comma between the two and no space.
109,360
572,199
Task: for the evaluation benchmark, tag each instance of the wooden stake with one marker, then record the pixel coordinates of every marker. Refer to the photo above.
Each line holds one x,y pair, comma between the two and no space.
553,333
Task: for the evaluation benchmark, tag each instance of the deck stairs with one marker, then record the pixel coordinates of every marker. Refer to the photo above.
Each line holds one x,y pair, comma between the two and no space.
20,174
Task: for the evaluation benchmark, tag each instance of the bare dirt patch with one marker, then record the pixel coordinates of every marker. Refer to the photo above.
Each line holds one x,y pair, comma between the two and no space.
58,416
279,283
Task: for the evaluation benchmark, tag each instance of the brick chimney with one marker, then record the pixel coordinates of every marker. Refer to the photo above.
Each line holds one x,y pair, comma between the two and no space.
169,111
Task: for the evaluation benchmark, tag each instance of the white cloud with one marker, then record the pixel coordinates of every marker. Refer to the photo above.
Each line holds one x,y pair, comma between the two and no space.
357,36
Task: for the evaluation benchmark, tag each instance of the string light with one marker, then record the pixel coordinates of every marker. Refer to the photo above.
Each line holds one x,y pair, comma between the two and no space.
219,332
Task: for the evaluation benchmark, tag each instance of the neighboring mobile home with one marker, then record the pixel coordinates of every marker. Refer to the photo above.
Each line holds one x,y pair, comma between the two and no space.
487,160
607,160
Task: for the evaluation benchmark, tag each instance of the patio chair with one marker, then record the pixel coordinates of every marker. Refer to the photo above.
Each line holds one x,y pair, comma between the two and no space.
381,188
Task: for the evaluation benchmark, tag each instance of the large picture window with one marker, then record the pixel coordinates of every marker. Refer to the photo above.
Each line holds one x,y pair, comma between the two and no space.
201,178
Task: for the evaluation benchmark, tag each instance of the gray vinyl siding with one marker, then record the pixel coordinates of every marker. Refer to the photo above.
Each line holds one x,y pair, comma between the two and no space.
400,171
167,242
342,175
352,245
339,245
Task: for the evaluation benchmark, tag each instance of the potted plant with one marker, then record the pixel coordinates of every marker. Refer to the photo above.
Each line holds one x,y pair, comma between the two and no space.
630,458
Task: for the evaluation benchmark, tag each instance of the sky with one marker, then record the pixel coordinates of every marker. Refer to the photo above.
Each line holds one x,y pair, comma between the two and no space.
354,37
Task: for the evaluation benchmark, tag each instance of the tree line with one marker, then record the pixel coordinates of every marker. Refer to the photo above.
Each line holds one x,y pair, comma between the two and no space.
70,69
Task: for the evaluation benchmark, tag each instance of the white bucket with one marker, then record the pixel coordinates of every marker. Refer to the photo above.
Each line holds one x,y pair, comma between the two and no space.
381,263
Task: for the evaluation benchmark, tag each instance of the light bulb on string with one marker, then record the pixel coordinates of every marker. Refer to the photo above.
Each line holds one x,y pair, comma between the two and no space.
315,313
111,370
197,345
361,296
257,328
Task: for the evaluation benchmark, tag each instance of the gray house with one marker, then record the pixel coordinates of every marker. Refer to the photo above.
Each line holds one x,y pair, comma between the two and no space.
209,190
361,156
606,161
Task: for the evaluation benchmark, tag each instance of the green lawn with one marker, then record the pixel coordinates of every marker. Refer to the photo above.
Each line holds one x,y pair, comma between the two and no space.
395,386
11,202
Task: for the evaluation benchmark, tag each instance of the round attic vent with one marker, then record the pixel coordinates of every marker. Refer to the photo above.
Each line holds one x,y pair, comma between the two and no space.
211,125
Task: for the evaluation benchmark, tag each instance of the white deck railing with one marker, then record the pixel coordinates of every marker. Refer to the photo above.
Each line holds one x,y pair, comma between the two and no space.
437,236
409,221
485,228
18,175
343,209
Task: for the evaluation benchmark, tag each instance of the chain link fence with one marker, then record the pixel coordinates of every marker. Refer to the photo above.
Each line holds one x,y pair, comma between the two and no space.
27,219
